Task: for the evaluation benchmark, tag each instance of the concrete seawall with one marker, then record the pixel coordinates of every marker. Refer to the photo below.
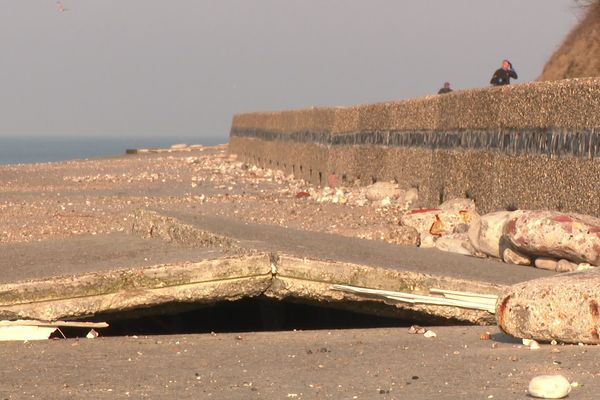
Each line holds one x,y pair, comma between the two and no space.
534,145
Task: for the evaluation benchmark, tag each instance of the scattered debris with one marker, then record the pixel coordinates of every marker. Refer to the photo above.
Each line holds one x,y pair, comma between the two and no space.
22,333
549,387
563,307
92,334
451,298
39,330
430,334
416,329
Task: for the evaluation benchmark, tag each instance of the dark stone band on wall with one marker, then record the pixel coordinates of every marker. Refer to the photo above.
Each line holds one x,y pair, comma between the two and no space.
551,142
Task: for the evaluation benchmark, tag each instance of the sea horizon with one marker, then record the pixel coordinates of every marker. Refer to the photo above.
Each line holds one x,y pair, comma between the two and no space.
42,149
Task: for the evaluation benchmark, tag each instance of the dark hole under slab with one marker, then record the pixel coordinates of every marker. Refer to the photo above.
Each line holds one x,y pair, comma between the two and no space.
247,315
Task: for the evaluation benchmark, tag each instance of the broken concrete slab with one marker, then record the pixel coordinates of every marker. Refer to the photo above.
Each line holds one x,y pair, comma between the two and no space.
269,261
312,280
92,253
79,296
564,308
324,246
150,224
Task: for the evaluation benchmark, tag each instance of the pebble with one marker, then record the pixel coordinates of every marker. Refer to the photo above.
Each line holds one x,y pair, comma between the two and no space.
549,387
430,334
510,256
416,329
546,263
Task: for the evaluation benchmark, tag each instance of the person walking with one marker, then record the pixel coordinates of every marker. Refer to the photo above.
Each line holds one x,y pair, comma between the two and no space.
502,76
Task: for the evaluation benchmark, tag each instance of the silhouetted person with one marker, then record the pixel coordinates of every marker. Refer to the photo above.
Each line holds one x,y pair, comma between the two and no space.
445,89
502,76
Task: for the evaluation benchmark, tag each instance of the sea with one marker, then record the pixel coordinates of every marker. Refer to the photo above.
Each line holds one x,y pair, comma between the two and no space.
26,150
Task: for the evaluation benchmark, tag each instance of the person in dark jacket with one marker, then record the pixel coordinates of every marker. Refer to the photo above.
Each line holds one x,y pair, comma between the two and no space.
445,89
502,76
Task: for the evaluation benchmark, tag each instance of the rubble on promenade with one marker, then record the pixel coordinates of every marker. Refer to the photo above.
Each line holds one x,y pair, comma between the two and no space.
564,308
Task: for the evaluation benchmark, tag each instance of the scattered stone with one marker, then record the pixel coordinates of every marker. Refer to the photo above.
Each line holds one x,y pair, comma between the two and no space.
459,204
549,387
584,266
385,202
557,235
485,233
546,263
511,256
566,266
427,241
416,329
430,334
380,190
410,198
179,146
92,334
403,235
455,243
435,221
485,336
564,307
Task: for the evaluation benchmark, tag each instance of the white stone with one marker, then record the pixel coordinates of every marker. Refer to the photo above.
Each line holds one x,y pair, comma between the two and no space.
485,232
410,198
549,387
427,240
534,345
380,190
430,334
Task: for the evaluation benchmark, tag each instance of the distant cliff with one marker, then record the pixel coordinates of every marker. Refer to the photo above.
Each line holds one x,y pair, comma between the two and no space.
579,54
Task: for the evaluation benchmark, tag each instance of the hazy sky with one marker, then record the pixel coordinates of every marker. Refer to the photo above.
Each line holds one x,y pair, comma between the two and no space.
184,67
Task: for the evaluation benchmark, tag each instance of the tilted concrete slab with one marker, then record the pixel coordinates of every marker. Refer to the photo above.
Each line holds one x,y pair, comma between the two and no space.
84,295
325,246
192,259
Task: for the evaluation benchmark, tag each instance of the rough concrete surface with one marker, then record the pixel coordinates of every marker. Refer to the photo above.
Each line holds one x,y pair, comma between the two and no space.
329,364
563,308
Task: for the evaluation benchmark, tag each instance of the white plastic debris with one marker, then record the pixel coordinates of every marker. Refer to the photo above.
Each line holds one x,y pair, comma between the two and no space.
22,333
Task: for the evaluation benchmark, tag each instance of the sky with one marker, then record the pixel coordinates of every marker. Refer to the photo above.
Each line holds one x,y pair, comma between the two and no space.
184,67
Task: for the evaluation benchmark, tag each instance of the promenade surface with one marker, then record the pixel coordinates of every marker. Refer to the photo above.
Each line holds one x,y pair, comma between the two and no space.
329,364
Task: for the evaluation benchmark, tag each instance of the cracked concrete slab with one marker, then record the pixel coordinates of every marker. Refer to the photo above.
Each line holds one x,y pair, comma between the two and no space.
194,259
119,290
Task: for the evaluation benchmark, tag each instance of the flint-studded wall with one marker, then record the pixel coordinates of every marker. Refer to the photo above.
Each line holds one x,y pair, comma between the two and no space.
534,146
